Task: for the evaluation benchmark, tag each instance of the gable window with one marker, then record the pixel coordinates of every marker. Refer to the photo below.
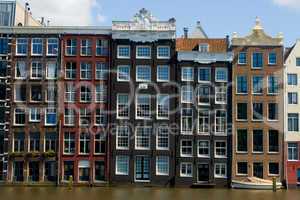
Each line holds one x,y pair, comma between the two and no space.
85,94
51,93
241,85
143,52
143,137
122,165
186,120
187,74
242,140
293,152
272,58
292,79
36,46
257,109
273,85
19,116
186,169
34,115
71,47
220,119
101,93
100,144
257,85
70,72
19,142
84,143
273,141
50,116
203,74
85,70
163,73
69,92
162,138
36,70
273,111
143,73
69,117
220,149
258,142
69,143
241,111
186,148
203,48
221,94
220,170
298,62
221,74
123,51
36,93
101,47
292,98
100,117
203,148
143,106
86,47
187,94
20,93
20,70
21,46
257,60
101,71
163,52
34,142
85,117
203,95
52,46
122,106
163,106
122,137
293,122
203,122
242,60
51,72
123,73
162,165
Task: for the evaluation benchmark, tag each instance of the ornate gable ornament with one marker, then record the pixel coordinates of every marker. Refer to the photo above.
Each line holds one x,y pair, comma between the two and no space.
144,27
257,37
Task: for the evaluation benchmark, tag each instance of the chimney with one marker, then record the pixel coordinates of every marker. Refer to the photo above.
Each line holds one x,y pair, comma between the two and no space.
43,21
186,32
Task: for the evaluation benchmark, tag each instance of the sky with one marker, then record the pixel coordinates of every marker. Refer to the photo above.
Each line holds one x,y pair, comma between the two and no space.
218,17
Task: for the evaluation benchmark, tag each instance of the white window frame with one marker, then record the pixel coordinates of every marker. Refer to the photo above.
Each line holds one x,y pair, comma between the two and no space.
21,113
118,51
100,93
35,111
119,73
274,175
88,45
69,140
165,105
118,136
165,159
255,93
203,118
126,159
198,95
70,70
183,78
87,70
38,63
160,136
99,140
16,67
186,175
163,57
216,74
218,91
47,70
240,63
181,147
184,132
215,170
48,43
23,43
149,104
295,150
186,90
157,73
102,69
225,132
143,137
100,115
273,52
46,111
198,148
72,114
203,48
142,57
215,149
138,79
69,93
275,93
205,68
32,44
127,106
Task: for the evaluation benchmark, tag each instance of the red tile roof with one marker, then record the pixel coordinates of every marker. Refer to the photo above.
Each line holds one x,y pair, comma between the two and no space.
190,44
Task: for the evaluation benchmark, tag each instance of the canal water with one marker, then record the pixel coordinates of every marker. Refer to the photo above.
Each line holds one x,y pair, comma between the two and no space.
84,193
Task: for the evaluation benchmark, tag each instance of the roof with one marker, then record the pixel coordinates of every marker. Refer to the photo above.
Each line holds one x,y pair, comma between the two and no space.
190,44
198,32
288,51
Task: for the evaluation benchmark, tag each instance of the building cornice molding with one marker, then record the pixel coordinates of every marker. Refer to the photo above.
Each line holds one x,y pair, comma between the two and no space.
144,36
204,58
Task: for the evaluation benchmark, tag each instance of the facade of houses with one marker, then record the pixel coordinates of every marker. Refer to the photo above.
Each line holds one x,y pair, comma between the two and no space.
291,115
204,115
257,101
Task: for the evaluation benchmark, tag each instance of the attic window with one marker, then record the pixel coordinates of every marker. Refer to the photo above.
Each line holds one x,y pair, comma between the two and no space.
203,48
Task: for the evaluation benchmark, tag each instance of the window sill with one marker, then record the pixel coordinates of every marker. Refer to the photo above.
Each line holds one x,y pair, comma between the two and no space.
241,152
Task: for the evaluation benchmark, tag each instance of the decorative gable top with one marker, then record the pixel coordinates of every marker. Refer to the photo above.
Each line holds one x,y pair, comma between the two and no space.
144,21
257,37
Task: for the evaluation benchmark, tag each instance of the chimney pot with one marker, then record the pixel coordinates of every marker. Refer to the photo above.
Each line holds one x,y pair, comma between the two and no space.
186,32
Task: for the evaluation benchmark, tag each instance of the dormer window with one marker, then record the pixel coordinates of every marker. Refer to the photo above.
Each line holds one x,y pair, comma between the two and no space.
203,48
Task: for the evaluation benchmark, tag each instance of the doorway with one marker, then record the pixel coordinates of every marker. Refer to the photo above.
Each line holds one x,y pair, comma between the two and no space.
203,172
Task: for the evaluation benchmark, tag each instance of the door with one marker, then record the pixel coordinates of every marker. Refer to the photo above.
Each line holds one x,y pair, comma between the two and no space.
50,171
142,168
203,173
99,171
258,170
34,171
18,171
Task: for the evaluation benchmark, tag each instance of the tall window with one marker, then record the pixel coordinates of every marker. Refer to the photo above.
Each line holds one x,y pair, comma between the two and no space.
293,152
123,73
162,165
123,51
242,140
258,142
142,168
70,92
241,111
203,148
187,94
71,47
122,138
70,72
85,70
293,122
257,60
220,149
143,106
50,141
298,62
221,94
69,117
101,93
19,142
69,143
272,58
34,142
122,165
34,115
143,52
257,110
203,95
273,111
51,93
100,144
143,137
186,148
220,120
163,106
51,72
162,138
19,116
36,46
273,85
36,70
220,170
122,105
242,58
85,94
100,117
163,52
86,47
187,74
203,74
101,71
36,93
85,117
163,73
203,122
292,79
102,47
257,85
186,120
22,46
273,141
84,143
241,85
50,118
292,98
143,73
20,92
20,70
186,169
52,46
221,74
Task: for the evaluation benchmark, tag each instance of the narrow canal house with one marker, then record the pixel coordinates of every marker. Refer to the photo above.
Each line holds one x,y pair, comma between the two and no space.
33,129
203,143
291,115
84,105
257,101
142,96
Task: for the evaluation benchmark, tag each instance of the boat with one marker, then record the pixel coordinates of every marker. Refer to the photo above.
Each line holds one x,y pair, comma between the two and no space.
255,184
